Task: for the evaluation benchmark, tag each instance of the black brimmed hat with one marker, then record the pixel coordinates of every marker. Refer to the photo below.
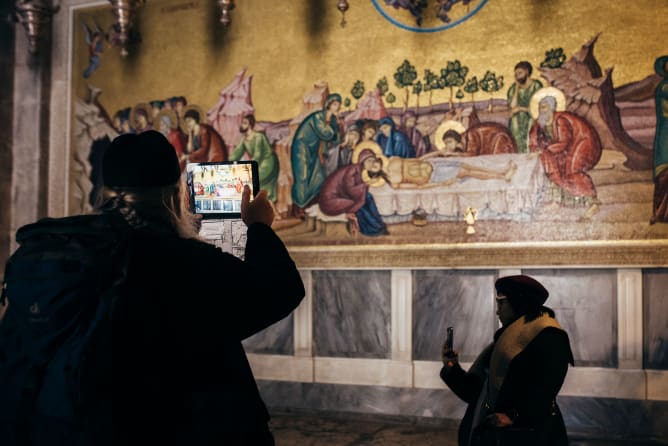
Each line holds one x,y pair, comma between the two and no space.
146,159
523,292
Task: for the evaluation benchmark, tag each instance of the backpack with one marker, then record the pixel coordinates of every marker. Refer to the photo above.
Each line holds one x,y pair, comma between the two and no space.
61,285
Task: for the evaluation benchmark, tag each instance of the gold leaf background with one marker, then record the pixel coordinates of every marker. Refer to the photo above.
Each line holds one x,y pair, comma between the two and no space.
288,45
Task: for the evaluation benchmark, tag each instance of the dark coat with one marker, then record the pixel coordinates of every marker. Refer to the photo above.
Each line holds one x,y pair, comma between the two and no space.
528,392
181,375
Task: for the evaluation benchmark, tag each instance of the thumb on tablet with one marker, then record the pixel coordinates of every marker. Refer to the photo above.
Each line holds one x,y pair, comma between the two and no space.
257,211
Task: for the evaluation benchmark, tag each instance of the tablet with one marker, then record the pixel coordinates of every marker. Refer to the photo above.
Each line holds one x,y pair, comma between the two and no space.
215,188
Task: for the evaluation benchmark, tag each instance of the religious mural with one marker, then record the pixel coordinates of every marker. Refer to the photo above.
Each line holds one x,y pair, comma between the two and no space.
540,144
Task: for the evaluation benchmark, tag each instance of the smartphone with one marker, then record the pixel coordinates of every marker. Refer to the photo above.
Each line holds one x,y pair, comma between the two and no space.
215,188
449,340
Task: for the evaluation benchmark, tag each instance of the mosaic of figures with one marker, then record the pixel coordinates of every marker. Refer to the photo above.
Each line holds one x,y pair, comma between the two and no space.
367,162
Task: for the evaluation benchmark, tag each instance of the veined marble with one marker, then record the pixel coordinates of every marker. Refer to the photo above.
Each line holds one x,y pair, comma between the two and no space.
276,339
655,286
585,302
351,314
461,299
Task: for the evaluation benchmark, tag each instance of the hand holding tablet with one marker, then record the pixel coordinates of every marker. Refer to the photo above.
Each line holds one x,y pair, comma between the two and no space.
216,189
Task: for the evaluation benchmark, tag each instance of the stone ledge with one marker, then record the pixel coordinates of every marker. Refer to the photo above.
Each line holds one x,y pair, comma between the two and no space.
362,371
281,367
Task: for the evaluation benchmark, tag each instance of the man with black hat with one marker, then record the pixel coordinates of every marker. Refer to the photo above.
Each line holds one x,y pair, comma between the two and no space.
512,386
180,374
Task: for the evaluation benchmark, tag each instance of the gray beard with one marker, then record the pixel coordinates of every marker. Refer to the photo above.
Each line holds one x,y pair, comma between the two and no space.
543,118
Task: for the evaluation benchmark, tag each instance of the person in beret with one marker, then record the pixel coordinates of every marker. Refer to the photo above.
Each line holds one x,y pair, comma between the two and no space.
181,376
511,387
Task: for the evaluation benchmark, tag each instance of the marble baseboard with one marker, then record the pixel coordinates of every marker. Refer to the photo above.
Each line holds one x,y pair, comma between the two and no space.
392,401
605,383
632,419
620,418
588,382
657,385
426,374
368,372
281,368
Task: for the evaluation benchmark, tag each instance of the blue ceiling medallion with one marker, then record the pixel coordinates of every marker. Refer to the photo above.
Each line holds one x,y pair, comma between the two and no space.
434,25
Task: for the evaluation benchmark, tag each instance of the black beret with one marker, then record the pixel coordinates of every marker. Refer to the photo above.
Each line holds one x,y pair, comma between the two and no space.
146,159
522,291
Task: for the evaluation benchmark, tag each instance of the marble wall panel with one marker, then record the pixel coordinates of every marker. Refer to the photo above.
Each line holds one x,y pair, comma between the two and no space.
655,300
276,339
462,299
352,313
585,302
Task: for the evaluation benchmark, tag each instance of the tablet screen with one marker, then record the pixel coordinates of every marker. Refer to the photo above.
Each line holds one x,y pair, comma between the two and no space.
215,188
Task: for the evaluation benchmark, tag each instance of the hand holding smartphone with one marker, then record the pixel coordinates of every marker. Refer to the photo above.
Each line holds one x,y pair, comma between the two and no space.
448,348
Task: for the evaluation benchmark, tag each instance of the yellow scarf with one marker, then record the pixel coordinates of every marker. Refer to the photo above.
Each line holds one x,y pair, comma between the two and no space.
512,342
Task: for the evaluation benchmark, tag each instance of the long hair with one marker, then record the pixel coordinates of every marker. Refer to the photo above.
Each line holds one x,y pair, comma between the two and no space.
146,207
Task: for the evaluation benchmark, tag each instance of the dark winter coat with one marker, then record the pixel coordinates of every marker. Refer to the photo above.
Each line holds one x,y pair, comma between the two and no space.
530,384
181,375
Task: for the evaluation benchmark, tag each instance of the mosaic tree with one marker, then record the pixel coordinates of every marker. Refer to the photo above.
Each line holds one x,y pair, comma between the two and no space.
453,75
404,78
382,86
554,58
471,87
430,82
391,98
417,90
460,96
490,83
358,90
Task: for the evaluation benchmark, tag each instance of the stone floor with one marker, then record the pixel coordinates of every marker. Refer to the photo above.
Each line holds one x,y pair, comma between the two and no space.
353,430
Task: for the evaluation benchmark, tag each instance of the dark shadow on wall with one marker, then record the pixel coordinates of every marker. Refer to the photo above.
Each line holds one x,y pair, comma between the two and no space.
315,20
130,63
220,35
543,13
218,31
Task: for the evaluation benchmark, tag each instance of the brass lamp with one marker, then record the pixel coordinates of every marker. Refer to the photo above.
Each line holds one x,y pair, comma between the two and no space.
225,7
35,16
125,12
343,6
